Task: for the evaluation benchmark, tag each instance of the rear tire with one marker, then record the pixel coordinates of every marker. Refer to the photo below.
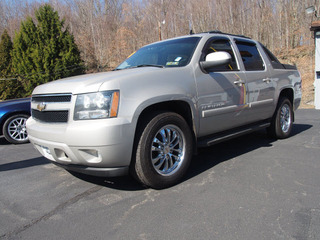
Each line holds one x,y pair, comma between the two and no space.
164,150
282,121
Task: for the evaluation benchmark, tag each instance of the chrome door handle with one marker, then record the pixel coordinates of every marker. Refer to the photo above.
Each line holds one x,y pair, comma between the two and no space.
239,82
266,80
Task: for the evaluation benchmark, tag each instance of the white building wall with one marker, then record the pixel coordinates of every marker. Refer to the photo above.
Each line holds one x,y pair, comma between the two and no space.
317,71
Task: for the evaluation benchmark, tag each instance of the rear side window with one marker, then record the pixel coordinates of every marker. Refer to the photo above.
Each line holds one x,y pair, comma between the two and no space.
276,64
250,56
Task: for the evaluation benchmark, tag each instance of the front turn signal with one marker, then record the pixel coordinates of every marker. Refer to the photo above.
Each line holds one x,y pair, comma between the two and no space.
115,104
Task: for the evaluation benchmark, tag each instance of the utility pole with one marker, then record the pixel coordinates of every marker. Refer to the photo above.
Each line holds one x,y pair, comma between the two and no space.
159,28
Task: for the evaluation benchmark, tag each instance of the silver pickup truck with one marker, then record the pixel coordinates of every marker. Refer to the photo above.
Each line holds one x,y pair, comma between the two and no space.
149,115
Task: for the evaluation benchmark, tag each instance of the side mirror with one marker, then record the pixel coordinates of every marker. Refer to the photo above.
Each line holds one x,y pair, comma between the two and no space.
216,59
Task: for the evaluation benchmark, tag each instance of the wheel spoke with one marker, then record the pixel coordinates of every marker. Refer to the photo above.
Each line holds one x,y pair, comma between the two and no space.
168,134
166,166
155,160
163,135
173,137
175,144
154,148
178,150
156,140
159,165
15,134
171,160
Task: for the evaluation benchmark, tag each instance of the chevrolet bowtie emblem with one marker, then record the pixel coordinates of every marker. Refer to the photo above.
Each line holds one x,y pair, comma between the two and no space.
41,106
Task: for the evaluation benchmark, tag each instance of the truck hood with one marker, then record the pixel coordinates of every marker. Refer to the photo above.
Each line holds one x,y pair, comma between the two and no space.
91,82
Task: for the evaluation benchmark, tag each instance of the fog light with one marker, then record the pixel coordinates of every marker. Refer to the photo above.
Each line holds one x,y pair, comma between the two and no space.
61,155
90,155
45,151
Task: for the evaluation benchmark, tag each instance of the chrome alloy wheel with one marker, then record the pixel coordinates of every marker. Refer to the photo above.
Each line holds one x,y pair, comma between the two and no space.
17,129
285,118
168,150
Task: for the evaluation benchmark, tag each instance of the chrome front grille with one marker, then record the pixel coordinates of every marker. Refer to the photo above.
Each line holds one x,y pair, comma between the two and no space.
51,108
50,98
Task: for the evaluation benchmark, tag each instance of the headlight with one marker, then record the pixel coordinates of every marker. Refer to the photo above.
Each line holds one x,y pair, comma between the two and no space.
97,105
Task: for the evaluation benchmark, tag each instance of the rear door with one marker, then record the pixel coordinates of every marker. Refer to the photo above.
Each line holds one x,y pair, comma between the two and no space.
259,84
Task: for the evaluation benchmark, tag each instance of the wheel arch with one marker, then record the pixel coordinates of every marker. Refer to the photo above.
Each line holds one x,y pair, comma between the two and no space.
180,107
289,94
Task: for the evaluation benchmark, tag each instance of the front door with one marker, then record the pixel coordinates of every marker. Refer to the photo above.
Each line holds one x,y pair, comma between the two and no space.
221,92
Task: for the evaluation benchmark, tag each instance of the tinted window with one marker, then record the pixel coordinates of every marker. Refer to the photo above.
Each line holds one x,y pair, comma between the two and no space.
171,53
274,61
270,55
250,56
224,45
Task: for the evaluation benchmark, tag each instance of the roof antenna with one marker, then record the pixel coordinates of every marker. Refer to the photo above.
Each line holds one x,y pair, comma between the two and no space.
191,32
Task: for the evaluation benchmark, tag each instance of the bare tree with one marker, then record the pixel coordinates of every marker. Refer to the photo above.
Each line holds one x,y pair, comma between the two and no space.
107,31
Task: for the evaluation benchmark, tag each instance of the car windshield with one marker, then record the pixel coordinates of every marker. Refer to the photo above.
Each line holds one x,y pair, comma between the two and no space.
171,53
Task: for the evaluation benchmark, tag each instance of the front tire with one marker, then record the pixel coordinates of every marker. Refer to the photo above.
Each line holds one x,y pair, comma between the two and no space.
282,121
14,129
164,150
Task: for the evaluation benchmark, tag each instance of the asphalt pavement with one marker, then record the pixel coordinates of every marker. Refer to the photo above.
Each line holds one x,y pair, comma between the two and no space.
252,187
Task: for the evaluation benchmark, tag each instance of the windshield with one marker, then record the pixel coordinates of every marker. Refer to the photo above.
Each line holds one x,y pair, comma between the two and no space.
171,53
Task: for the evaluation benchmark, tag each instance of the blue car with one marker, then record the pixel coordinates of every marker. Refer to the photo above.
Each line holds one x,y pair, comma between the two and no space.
13,117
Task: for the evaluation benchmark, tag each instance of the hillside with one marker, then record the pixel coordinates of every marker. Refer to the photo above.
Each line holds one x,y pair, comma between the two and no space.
303,57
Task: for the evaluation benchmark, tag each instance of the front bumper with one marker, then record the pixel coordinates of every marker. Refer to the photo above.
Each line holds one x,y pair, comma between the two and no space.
98,172
99,148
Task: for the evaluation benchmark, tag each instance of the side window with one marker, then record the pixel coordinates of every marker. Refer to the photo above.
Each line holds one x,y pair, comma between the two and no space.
274,61
270,55
225,46
250,56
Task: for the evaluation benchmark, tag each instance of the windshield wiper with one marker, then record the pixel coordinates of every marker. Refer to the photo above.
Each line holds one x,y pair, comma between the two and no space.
149,65
138,66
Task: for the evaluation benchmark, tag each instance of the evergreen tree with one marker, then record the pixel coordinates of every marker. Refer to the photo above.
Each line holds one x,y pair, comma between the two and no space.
5,57
9,86
45,52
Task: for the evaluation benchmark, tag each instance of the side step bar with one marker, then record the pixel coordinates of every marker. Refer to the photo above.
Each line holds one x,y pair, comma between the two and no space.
223,136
